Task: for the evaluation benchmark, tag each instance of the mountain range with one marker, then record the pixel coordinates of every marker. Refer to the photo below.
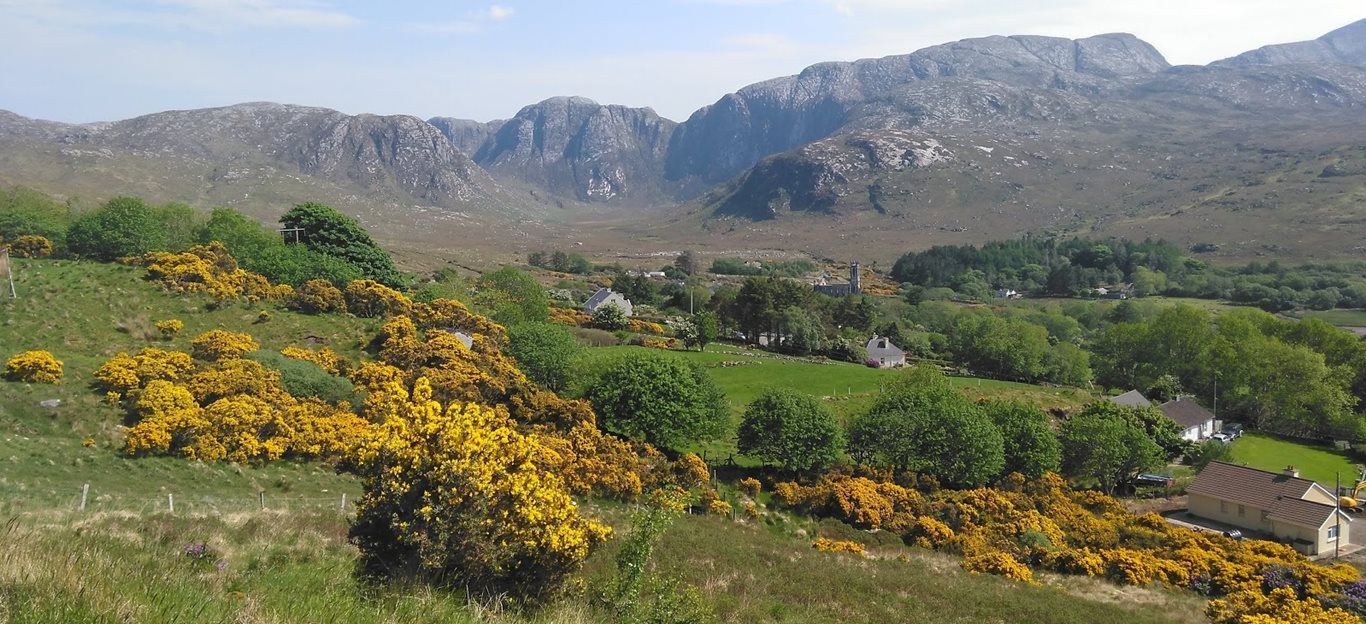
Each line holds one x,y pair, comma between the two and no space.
1263,153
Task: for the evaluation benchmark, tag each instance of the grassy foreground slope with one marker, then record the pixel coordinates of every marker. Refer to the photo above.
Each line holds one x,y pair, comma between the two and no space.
296,567
86,312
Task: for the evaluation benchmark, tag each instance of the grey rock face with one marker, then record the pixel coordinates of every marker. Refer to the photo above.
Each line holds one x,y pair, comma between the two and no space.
770,117
466,134
374,153
1344,45
576,147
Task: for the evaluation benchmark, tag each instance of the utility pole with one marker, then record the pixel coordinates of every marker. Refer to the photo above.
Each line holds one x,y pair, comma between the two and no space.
1337,513
9,270
296,231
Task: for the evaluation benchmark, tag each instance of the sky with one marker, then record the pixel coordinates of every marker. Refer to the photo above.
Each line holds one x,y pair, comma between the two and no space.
101,60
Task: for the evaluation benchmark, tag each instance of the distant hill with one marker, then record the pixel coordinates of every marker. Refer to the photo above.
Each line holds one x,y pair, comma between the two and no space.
1262,153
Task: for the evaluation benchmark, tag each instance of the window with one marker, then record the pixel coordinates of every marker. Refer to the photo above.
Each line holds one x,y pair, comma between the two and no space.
1241,511
1223,506
1266,515
1332,533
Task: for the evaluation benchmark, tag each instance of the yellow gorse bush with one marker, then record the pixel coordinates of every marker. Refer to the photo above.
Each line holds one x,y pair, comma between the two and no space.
31,246
211,270
170,327
825,544
220,344
460,495
325,358
34,367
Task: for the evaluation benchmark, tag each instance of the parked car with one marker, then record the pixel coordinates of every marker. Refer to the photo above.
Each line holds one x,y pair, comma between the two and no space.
1222,437
1233,430
1154,480
1233,534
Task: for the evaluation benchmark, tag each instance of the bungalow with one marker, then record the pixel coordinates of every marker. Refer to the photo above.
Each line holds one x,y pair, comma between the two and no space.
1132,398
1298,511
1196,422
606,296
886,354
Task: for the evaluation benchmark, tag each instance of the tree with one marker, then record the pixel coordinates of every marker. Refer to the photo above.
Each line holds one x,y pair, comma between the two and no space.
1163,431
123,226
1031,447
1109,450
921,424
661,399
325,230
245,238
512,296
545,352
699,331
687,263
1208,451
790,428
180,225
26,212
609,317
802,334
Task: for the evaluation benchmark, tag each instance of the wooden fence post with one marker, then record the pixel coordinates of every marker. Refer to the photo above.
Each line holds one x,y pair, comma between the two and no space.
85,489
262,497
170,501
343,503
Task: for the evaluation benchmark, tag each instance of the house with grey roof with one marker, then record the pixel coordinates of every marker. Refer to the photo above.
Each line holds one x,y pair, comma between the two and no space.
607,296
1132,398
1196,422
887,355
1279,504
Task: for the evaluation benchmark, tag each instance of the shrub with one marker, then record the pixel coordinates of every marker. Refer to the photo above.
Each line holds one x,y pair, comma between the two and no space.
31,246
718,507
318,296
170,327
459,497
123,226
660,399
825,544
34,367
371,299
750,486
1000,564
545,352
305,378
609,317
791,428
219,344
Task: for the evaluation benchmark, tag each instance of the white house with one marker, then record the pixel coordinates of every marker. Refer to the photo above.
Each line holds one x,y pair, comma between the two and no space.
1196,422
606,296
886,354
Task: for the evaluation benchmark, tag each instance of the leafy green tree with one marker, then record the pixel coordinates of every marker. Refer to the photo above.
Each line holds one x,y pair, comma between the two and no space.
123,226
246,239
700,330
180,224
512,296
609,317
792,429
325,230
661,399
921,424
1031,447
1163,431
546,352
27,212
1107,449
1208,451
688,263
803,335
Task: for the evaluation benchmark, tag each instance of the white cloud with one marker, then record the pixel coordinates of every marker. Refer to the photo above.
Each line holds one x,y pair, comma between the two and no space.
270,13
499,12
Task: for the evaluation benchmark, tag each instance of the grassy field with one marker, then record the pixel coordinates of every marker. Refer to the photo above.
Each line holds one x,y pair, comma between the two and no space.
85,312
280,567
1341,318
1314,462
849,389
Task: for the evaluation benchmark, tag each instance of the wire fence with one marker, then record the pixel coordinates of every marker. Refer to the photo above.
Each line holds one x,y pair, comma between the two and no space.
87,499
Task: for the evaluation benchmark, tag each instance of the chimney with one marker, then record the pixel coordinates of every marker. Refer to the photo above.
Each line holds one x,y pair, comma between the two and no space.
854,287
1292,471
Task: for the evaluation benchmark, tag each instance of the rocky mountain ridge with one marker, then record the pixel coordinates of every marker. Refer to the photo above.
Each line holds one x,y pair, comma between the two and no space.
962,137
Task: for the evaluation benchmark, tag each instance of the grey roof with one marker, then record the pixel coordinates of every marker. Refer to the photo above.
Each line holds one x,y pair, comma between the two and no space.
1132,398
1301,512
1186,413
598,297
882,347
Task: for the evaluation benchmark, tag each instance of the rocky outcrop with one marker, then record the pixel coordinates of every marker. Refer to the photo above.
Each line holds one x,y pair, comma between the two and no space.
1345,45
575,147
773,116
467,135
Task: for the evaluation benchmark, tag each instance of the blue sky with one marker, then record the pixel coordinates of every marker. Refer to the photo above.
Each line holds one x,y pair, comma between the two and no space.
91,60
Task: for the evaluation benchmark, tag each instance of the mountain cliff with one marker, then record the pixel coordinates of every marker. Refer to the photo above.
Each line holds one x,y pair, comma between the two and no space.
573,147
1345,45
